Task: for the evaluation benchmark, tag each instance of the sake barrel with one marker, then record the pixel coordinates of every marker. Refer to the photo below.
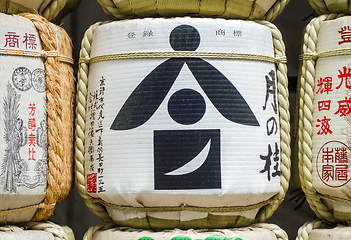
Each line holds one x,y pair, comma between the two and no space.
265,231
36,117
330,6
324,117
182,122
238,9
36,231
322,230
53,10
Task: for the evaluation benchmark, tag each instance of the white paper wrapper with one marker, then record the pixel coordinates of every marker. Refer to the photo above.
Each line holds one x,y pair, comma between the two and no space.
170,131
332,118
19,234
23,150
337,233
230,234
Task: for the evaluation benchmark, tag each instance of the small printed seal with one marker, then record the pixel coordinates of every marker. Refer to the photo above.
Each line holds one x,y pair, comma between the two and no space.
38,80
21,79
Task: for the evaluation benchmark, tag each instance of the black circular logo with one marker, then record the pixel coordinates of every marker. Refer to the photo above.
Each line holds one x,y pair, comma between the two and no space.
21,79
186,106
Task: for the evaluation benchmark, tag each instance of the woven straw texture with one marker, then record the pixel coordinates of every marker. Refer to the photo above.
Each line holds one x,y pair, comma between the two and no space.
323,7
278,232
304,112
169,8
57,231
54,11
60,99
267,208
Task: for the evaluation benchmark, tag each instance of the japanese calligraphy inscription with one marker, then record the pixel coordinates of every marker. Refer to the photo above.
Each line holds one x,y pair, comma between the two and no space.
332,107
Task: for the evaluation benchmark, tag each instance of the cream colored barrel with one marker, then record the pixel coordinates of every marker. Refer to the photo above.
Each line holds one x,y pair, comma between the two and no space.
52,10
182,122
238,9
331,6
321,230
36,118
255,231
324,117
36,231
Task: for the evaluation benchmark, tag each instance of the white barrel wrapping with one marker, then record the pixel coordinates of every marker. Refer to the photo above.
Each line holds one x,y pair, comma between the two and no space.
23,119
256,231
331,117
178,131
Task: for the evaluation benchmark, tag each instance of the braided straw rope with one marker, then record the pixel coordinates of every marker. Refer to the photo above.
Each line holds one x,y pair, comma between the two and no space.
97,205
305,117
304,231
278,232
113,11
60,92
58,232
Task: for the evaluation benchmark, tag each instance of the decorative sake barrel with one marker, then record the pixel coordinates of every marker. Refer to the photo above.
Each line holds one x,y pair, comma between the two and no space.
52,10
182,122
242,9
331,6
265,231
320,230
36,117
324,119
36,231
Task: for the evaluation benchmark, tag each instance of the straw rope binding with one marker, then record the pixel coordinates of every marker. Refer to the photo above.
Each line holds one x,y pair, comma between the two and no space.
98,205
59,91
305,115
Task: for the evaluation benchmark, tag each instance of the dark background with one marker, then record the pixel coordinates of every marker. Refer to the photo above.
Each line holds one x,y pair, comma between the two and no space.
296,15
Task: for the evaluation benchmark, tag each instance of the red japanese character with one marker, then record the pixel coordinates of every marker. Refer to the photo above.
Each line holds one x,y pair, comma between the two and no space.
325,85
31,154
32,109
345,33
31,140
346,74
327,172
30,41
324,105
341,172
344,107
31,124
11,40
325,126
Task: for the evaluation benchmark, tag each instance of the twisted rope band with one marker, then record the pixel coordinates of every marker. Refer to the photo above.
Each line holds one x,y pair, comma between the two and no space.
330,53
267,207
43,54
183,54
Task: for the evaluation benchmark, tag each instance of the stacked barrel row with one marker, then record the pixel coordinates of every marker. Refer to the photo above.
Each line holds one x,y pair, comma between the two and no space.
36,120
182,120
322,140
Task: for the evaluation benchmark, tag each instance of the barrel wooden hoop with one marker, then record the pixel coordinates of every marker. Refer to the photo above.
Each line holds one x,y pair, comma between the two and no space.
114,13
305,95
278,232
98,205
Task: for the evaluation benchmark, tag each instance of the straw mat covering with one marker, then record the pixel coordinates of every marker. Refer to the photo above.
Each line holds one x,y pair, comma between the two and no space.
52,10
220,218
56,54
36,231
254,231
331,6
264,10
